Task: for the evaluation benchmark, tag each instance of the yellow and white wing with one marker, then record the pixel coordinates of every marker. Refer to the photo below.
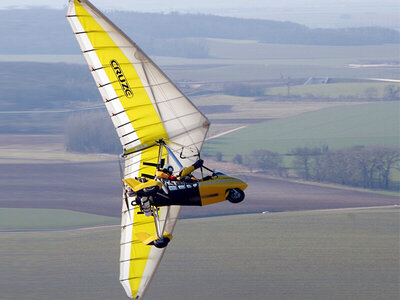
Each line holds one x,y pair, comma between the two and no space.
145,106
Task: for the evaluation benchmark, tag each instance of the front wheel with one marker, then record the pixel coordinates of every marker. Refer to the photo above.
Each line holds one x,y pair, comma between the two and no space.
235,196
161,242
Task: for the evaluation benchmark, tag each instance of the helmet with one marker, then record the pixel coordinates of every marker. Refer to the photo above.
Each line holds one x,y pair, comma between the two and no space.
169,169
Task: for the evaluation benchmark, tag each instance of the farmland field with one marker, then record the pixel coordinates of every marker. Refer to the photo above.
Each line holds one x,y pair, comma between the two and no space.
96,188
235,49
248,108
24,219
344,254
43,149
248,60
337,127
48,177
290,252
336,90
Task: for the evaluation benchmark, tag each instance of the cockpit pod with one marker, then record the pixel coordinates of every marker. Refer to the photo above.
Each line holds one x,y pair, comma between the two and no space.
214,187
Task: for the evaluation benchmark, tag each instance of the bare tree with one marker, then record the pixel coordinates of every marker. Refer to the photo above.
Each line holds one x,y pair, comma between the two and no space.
389,159
368,161
270,162
392,92
304,158
91,133
238,159
218,156
368,167
371,92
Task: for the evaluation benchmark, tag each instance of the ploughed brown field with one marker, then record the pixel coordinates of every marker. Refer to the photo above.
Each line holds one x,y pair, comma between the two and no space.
96,188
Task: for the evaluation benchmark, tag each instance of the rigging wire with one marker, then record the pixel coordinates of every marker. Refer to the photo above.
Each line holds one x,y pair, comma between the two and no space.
125,193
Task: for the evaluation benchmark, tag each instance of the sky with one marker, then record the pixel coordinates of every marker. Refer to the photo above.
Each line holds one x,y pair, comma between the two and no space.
322,13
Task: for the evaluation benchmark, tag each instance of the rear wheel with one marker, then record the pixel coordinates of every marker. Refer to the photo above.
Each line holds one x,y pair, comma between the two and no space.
235,196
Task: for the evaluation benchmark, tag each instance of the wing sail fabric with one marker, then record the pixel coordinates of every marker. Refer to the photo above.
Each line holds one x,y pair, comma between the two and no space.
142,102
112,61
145,106
183,122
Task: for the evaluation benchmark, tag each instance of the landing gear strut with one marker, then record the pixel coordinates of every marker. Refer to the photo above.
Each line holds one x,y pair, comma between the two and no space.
146,205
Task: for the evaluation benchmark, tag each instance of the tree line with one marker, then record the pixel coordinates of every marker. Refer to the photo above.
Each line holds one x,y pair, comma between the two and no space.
370,167
59,85
152,31
91,133
260,89
367,167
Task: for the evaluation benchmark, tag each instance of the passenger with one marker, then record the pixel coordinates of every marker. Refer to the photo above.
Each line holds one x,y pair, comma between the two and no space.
186,173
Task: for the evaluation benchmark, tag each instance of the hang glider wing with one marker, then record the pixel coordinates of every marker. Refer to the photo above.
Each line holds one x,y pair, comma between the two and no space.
145,106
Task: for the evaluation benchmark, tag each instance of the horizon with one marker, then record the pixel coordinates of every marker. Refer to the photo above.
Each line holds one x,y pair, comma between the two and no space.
323,14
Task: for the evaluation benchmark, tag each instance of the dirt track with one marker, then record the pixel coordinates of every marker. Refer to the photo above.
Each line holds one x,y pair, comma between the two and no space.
95,188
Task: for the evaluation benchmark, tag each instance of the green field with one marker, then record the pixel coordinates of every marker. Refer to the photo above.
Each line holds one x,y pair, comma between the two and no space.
342,254
338,127
24,219
336,90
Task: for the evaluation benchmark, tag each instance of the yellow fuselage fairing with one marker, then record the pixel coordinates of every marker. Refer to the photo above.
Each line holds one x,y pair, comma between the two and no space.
215,190
200,193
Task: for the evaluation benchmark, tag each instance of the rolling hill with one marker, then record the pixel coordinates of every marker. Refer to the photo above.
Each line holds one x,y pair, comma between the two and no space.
177,34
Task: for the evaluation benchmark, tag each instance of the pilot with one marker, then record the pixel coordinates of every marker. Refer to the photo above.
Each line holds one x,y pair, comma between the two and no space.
166,173
184,174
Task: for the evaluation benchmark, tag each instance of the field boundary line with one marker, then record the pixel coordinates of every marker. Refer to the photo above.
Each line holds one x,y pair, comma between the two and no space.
59,231
253,213
346,208
318,184
224,133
